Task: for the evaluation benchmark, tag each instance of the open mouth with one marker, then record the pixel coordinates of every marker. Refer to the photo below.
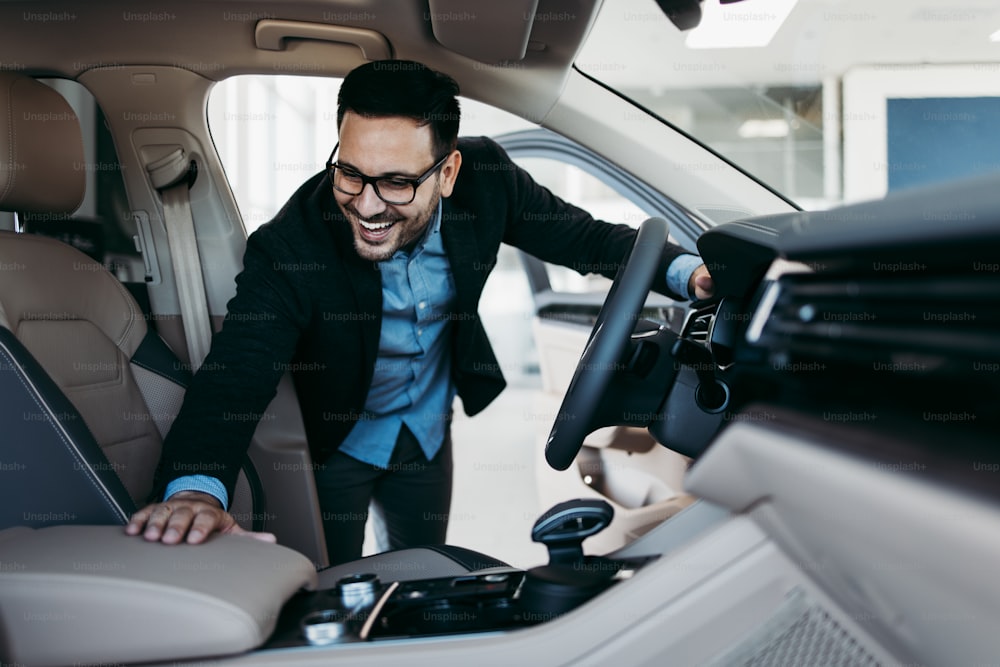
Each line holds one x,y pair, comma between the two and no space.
374,231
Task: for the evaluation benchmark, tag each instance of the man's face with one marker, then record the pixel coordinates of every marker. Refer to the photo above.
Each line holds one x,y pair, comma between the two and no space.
390,146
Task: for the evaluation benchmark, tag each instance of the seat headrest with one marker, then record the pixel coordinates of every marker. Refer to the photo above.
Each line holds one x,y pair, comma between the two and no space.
41,148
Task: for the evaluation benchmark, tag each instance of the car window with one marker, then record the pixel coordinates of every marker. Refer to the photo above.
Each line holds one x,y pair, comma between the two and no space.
273,132
574,185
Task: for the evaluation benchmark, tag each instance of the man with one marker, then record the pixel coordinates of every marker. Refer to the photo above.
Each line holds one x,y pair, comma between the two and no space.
366,285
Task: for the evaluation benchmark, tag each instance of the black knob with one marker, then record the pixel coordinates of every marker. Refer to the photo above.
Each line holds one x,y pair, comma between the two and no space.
564,527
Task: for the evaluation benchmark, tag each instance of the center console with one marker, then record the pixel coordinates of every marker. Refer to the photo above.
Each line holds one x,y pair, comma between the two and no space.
92,594
361,607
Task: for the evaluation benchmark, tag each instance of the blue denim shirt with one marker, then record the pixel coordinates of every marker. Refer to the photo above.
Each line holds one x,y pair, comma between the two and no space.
412,382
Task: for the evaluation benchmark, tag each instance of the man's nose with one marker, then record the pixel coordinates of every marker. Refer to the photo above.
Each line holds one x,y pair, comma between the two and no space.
368,203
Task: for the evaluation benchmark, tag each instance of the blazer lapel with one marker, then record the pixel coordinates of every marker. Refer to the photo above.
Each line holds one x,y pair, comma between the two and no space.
462,247
366,285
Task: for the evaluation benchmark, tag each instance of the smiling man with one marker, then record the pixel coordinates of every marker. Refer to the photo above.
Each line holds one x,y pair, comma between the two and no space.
366,287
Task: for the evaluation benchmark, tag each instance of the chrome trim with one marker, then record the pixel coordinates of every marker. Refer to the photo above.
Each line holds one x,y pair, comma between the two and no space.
763,312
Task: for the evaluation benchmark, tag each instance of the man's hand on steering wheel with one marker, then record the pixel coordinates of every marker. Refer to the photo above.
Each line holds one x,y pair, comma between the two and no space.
701,284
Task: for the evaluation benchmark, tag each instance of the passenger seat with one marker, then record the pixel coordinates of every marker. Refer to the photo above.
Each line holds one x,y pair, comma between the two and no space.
88,336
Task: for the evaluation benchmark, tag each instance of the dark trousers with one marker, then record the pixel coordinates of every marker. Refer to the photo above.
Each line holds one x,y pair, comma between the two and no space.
412,498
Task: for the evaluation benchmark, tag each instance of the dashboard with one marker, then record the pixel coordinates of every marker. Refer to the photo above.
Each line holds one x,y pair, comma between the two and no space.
879,318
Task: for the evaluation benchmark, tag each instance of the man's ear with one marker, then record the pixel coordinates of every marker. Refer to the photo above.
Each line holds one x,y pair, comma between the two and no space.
449,172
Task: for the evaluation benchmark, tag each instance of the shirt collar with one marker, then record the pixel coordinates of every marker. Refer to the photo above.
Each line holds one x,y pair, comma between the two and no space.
433,227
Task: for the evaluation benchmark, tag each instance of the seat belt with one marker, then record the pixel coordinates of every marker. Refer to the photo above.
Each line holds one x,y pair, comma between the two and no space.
172,177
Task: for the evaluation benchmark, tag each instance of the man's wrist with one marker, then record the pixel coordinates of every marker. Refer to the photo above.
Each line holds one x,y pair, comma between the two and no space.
196,495
201,483
679,274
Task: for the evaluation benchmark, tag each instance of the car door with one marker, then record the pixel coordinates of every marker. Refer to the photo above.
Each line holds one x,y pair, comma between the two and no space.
622,465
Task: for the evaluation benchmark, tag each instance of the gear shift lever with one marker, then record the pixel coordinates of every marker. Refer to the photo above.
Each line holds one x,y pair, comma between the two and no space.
564,528
567,581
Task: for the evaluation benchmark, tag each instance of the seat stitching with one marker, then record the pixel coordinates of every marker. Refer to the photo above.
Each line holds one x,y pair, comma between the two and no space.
10,141
131,311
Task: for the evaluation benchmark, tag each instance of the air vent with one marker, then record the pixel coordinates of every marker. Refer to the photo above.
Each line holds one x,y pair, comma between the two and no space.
800,632
920,324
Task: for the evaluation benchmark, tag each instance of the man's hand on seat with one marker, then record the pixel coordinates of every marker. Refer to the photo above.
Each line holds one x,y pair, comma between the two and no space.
187,516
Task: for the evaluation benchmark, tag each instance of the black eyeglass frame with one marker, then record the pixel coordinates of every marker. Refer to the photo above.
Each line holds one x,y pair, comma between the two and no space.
366,179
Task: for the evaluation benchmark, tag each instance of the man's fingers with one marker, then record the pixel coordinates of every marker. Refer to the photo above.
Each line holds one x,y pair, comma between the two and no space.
704,286
205,521
171,522
138,521
701,283
156,524
177,525
190,521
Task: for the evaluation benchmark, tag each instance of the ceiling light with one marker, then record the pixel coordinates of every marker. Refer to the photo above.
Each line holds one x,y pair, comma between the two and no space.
739,25
770,128
995,37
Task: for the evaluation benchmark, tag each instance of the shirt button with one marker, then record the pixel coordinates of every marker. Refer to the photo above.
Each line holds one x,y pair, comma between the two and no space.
422,305
420,332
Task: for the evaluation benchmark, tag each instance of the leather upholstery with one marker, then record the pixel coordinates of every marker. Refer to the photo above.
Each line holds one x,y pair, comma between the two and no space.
71,314
91,595
41,148
52,469
82,326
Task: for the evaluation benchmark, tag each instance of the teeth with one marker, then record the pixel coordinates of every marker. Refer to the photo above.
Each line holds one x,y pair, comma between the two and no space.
374,227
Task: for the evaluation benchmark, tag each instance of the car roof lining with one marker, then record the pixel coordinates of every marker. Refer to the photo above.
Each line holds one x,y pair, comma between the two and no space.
217,40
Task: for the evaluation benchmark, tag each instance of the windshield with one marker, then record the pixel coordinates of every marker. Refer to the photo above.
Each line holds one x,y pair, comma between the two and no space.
827,101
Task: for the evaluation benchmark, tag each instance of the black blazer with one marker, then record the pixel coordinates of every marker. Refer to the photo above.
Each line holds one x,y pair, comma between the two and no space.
306,302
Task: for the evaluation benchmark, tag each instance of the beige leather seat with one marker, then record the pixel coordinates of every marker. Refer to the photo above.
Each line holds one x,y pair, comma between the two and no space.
75,318
83,327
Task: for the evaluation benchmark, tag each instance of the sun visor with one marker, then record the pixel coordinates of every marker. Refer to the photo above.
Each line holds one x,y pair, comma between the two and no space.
489,33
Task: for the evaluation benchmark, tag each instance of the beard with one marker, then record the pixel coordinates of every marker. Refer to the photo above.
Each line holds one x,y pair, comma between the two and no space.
381,245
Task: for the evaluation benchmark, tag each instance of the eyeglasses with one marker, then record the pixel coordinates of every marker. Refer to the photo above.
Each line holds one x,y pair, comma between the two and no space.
394,190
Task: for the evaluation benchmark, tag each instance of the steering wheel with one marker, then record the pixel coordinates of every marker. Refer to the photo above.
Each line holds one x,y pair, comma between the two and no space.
602,356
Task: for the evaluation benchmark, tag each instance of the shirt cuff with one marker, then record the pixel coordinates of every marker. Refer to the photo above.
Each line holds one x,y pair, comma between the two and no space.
679,274
203,483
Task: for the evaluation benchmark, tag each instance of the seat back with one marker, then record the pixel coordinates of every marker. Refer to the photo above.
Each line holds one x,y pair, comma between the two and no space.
83,327
75,336
53,470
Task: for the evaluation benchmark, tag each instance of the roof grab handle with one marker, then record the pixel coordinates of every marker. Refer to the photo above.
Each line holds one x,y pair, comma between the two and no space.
273,35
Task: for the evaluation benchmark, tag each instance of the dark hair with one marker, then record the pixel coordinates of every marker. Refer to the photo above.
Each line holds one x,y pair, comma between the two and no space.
404,88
